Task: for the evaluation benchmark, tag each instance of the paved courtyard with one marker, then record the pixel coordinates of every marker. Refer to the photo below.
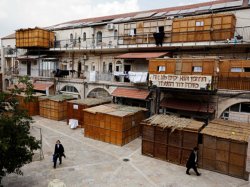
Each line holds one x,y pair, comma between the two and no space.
95,163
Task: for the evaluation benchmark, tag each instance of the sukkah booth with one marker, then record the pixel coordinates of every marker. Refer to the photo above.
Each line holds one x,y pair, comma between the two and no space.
75,108
225,147
32,105
112,123
170,138
54,107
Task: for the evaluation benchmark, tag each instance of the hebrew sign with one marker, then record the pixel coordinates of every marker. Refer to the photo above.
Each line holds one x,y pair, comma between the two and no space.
196,82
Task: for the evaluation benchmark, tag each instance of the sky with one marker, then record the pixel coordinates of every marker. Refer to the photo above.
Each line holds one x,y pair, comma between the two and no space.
17,14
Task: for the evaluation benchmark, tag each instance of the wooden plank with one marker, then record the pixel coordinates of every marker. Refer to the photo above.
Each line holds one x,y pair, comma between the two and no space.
147,148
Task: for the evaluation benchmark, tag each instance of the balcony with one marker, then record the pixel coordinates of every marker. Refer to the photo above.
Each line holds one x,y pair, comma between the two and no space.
11,71
147,40
234,83
117,78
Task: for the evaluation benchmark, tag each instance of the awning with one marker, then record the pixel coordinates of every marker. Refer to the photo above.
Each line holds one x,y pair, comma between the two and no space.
30,57
187,105
142,55
42,86
36,86
131,93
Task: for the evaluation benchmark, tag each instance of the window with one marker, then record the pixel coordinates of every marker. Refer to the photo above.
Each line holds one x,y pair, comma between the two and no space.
161,68
247,69
245,107
197,69
118,65
84,37
160,29
199,23
110,67
235,108
86,68
115,34
236,69
99,37
132,32
69,89
117,68
46,68
93,66
104,67
71,38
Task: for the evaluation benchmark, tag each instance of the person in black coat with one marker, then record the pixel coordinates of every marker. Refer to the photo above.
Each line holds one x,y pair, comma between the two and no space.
192,161
58,153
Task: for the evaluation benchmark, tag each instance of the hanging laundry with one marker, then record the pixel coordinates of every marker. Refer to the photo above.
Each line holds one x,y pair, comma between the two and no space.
138,77
159,38
92,76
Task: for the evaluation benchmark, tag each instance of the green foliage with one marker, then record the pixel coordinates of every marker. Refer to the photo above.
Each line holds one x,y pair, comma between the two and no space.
16,143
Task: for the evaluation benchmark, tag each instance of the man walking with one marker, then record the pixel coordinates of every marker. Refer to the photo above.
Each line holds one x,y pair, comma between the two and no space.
58,153
192,161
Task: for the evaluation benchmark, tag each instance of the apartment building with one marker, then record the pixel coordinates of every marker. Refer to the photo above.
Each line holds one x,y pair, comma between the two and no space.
115,56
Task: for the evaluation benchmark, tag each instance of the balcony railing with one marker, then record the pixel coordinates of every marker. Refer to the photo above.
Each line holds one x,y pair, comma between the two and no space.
234,83
148,40
11,71
114,77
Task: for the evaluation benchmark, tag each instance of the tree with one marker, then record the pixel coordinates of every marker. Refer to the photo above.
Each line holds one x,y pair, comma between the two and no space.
16,143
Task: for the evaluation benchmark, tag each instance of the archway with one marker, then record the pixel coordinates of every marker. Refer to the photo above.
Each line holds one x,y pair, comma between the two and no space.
70,90
98,93
225,104
237,112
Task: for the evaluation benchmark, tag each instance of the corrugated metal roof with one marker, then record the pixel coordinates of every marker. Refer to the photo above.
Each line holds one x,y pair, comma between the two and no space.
36,86
228,130
42,86
173,122
115,110
91,101
131,93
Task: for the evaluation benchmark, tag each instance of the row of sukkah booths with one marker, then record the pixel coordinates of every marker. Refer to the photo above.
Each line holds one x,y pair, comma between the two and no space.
222,144
101,120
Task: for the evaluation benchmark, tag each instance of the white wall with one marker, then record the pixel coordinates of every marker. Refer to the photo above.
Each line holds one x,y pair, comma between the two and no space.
107,36
34,69
242,20
239,117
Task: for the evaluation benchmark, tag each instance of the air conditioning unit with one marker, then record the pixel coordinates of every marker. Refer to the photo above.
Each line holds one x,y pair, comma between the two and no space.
110,26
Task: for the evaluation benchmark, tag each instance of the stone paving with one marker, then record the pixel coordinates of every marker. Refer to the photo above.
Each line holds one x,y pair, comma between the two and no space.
94,163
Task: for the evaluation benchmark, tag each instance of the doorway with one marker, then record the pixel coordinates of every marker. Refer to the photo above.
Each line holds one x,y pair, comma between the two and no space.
28,67
79,69
127,68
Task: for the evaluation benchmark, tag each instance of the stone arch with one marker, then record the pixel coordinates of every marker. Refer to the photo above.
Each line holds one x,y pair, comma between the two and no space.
223,105
70,89
98,92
